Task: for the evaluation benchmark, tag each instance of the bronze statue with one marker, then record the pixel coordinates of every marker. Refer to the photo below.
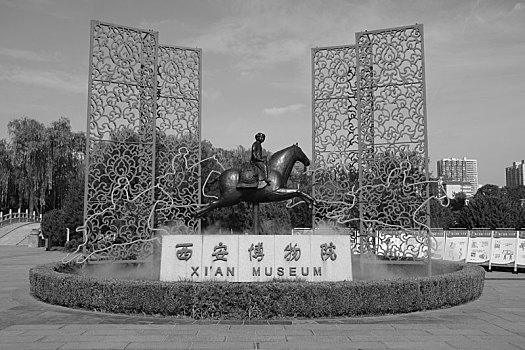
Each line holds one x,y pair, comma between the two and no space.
243,184
257,158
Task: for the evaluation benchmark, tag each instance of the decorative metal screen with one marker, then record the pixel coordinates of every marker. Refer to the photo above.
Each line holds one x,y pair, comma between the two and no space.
370,140
393,151
143,141
334,131
178,146
120,141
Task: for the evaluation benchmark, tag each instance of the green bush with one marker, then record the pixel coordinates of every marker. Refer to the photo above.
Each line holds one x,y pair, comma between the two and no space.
73,244
59,284
54,228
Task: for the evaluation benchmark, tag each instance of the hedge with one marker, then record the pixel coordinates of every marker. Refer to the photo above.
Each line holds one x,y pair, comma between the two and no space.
57,284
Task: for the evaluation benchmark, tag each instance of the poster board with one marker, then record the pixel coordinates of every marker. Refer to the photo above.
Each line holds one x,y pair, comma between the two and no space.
437,243
504,244
520,250
479,245
456,244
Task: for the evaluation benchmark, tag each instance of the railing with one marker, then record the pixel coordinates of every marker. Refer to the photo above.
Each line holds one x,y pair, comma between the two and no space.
19,216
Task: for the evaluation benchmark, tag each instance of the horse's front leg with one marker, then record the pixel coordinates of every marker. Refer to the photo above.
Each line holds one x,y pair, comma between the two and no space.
289,193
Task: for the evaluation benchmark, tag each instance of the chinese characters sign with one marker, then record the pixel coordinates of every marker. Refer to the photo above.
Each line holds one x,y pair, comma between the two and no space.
255,258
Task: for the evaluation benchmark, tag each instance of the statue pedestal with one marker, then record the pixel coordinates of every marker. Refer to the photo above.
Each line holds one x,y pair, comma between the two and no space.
256,258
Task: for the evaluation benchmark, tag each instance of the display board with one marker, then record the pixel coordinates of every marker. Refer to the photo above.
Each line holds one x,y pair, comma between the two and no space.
479,244
456,245
520,249
437,243
504,244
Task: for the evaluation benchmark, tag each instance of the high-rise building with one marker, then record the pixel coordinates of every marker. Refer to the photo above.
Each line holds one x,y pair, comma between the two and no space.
514,174
459,172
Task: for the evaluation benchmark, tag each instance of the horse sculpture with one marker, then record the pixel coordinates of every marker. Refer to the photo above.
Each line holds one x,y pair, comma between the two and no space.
280,166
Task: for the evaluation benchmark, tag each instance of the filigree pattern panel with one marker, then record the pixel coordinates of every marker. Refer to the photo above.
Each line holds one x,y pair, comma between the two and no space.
334,70
335,142
179,72
395,244
120,198
178,117
334,183
121,54
178,139
391,56
121,129
335,125
398,117
393,170
118,109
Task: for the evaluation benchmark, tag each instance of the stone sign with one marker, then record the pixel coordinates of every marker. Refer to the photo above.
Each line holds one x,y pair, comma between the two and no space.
255,258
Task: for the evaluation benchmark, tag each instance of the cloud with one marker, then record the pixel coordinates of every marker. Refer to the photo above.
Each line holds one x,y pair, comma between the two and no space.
520,6
28,55
283,110
67,82
153,24
211,94
258,35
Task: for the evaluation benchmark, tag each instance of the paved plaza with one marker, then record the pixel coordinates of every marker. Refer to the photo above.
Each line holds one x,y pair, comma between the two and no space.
495,321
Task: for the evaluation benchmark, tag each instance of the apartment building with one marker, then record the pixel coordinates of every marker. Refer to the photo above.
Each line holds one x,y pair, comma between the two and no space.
461,173
514,174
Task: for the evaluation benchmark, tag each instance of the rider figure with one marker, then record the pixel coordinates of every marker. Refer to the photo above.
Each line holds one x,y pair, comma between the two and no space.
257,156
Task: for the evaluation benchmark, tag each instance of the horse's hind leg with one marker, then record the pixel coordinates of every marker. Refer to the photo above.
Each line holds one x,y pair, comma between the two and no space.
224,201
209,207
288,193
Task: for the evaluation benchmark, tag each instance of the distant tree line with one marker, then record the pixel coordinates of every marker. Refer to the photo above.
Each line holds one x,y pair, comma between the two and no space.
38,164
42,170
491,207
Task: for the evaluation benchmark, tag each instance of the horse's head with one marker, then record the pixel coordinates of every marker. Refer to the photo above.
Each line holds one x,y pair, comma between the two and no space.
301,157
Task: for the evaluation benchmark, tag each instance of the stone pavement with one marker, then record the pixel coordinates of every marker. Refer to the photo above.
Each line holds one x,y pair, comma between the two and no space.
495,321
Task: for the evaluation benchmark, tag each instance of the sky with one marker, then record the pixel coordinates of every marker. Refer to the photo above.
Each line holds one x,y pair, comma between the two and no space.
256,65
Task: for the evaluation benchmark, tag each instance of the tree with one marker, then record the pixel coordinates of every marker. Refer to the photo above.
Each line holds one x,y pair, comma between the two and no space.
73,207
29,161
491,207
5,173
53,227
38,163
65,151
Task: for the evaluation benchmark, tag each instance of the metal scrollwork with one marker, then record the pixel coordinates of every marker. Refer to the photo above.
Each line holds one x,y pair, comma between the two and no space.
335,141
393,152
370,140
178,138
394,244
121,121
143,141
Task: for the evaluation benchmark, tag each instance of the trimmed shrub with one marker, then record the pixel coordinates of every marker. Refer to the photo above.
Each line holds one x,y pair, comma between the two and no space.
59,284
